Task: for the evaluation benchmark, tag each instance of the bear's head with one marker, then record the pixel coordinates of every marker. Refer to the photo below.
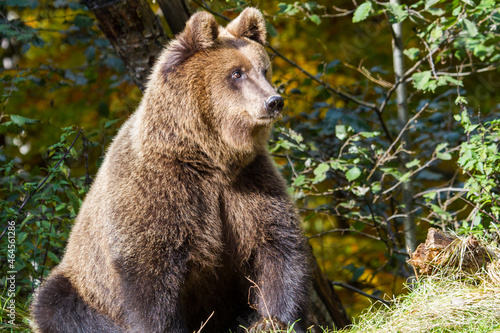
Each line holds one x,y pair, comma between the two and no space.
210,90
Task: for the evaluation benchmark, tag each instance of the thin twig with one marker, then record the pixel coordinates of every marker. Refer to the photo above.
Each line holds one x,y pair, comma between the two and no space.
359,291
205,6
384,156
431,62
388,96
204,323
479,209
366,73
342,231
481,70
255,285
482,187
425,166
324,84
409,72
445,189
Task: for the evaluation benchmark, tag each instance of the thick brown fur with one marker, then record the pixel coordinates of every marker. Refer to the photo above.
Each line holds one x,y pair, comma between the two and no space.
188,207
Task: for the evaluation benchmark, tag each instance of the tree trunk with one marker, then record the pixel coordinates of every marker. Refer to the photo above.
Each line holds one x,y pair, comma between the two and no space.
326,307
137,37
176,13
399,70
134,31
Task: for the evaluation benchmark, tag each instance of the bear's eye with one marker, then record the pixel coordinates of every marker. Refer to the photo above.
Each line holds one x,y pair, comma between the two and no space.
264,71
236,74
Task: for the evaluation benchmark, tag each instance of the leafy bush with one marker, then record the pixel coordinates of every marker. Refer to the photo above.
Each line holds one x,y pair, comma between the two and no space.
42,209
480,161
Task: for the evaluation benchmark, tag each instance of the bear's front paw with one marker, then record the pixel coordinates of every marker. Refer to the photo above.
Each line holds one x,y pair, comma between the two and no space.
266,324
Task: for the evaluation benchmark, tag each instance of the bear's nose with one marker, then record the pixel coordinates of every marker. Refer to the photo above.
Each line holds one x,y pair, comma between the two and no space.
275,104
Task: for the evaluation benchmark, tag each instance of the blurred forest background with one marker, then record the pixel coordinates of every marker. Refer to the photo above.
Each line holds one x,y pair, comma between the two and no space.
370,175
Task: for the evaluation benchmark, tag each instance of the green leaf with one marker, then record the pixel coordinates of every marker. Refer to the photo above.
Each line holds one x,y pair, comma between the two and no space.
436,34
320,172
430,195
436,11
336,165
471,28
469,2
358,225
421,79
477,220
353,174
21,121
22,3
369,134
413,163
470,127
441,146
110,123
10,127
311,5
83,21
321,169
358,272
362,12
397,13
376,187
52,256
456,11
430,3
452,80
21,237
286,8
442,155
404,178
481,51
341,132
315,18
271,30
299,181
283,7
412,53
75,201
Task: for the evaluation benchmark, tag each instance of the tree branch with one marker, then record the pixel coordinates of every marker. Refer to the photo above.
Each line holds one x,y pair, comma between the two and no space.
359,291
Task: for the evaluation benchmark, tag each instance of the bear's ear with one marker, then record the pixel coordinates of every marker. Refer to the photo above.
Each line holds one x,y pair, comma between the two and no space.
200,33
250,24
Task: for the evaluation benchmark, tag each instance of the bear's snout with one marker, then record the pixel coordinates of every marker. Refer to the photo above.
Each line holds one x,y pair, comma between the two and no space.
275,104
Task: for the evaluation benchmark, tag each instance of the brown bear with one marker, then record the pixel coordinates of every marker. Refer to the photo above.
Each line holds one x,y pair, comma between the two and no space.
188,220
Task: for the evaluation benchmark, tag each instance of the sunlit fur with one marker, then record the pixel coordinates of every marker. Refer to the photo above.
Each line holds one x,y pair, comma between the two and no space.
187,204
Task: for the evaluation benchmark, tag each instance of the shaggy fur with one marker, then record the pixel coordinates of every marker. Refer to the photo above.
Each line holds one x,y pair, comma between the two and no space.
187,207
